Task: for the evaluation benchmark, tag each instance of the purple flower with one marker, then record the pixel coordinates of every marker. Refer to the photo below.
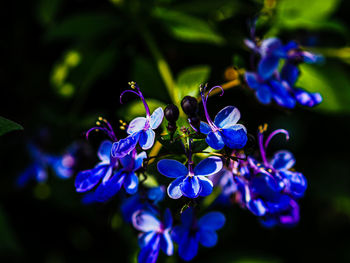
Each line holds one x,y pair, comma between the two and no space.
155,236
191,232
125,176
190,182
224,130
140,129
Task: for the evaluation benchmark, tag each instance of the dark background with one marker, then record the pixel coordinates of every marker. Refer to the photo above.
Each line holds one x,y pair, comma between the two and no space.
48,223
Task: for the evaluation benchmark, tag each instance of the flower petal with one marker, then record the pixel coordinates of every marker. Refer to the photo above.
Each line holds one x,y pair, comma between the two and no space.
104,152
227,117
257,207
124,146
208,238
204,128
281,94
235,137
145,221
212,221
171,168
290,73
166,244
187,218
215,141
263,94
136,125
267,66
86,180
282,160
149,253
270,45
145,238
188,248
168,219
296,183
107,190
156,118
208,166
190,187
179,232
139,160
207,186
174,190
147,139
252,80
131,183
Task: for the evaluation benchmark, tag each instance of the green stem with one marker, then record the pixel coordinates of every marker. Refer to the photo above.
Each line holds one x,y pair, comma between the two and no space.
162,65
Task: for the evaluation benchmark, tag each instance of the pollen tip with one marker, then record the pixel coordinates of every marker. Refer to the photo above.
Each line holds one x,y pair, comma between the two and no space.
100,118
98,123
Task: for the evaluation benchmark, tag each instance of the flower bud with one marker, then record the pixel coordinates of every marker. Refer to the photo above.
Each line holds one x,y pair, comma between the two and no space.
189,105
171,113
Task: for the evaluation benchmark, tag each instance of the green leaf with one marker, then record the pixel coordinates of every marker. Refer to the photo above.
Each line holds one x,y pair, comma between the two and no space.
83,26
147,76
188,28
188,81
299,14
331,81
7,126
137,109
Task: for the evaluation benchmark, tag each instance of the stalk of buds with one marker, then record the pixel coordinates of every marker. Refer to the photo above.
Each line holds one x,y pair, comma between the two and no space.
190,106
171,114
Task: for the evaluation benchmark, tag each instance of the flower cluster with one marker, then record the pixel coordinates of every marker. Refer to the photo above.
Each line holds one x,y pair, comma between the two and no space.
269,188
63,166
271,83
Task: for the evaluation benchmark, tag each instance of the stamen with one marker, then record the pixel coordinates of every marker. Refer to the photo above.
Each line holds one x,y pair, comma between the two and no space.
285,132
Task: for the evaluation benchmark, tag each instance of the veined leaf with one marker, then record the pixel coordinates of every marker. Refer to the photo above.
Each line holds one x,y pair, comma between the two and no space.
188,28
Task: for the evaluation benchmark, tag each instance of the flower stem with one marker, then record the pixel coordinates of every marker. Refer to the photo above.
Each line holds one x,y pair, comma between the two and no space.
162,65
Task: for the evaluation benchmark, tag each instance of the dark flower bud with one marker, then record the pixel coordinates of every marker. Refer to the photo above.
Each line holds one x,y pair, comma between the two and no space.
171,126
189,105
171,113
195,121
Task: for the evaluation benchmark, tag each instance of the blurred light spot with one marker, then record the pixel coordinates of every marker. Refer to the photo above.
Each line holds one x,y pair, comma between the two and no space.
150,181
42,191
67,90
117,2
231,74
72,58
116,222
59,74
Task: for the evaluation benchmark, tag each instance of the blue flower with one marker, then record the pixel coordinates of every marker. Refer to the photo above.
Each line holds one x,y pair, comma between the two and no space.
125,176
190,182
145,126
270,188
140,129
191,232
155,236
62,165
224,130
88,179
270,84
146,200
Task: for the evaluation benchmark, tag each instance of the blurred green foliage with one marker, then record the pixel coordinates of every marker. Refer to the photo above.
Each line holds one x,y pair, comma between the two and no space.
87,51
